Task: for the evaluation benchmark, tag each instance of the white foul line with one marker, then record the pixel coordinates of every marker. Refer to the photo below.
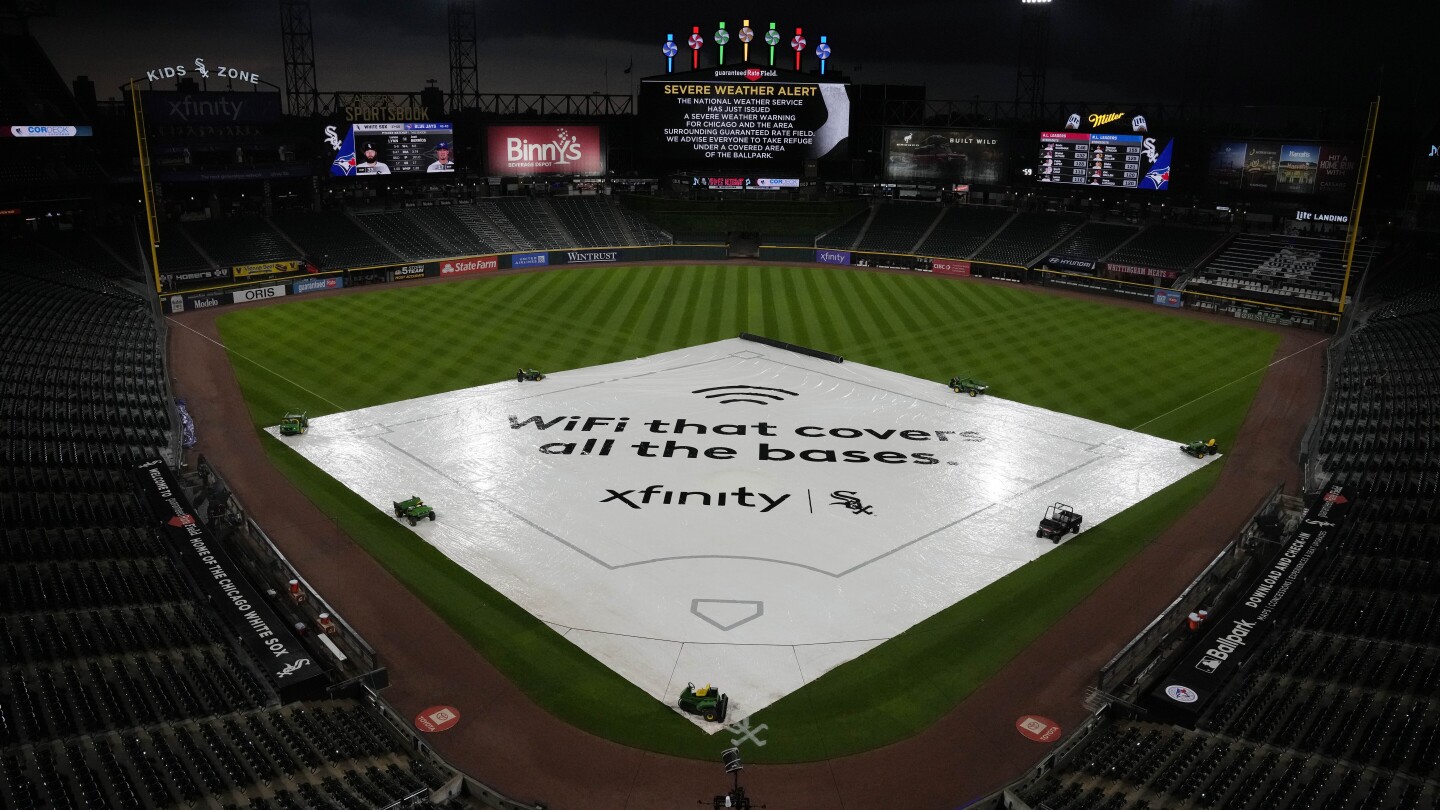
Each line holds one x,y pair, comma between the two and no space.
264,368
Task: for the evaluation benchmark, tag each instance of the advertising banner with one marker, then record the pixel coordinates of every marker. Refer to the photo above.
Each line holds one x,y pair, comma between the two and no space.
1337,171
194,277
950,267
550,149
1288,168
264,269
205,300
1226,642
258,293
1296,172
914,154
588,257
1227,164
175,304
826,256
530,259
306,285
1071,263
463,267
409,271
1262,162
209,107
1169,298
1135,270
240,604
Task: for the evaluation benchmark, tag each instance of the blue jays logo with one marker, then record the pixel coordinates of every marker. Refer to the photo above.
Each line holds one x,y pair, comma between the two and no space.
1158,176
344,164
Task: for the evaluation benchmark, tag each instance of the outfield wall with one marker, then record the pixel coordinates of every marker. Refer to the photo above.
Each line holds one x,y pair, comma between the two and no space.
1158,293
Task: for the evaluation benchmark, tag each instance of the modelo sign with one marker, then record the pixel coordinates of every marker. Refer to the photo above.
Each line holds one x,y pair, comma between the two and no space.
461,267
258,293
560,149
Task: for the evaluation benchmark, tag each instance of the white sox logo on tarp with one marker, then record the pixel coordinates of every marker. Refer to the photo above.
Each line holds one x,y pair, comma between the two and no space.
847,499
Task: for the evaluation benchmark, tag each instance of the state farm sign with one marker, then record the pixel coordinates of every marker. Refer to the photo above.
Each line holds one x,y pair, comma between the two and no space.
460,267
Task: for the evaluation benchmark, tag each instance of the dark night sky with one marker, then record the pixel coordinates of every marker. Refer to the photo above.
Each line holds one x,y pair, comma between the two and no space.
1102,50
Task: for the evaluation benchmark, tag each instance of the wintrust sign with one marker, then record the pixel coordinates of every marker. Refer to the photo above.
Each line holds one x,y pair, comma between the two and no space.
591,256
568,149
461,267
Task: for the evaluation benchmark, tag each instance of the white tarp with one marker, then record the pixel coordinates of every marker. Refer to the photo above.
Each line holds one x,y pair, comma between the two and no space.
827,506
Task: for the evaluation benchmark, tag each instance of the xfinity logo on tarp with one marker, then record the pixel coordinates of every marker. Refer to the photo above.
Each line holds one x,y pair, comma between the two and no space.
832,256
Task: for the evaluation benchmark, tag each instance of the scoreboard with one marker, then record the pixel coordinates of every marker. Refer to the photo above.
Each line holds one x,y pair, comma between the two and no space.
398,148
744,119
1104,160
404,147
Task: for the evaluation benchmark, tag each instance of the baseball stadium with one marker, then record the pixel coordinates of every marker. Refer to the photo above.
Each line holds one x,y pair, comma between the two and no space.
769,432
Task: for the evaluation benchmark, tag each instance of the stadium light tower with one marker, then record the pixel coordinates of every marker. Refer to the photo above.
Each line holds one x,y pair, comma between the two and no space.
1034,57
464,72
297,40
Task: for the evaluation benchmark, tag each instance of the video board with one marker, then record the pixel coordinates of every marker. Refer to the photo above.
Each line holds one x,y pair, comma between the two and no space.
1283,167
570,149
392,148
745,119
915,154
1136,161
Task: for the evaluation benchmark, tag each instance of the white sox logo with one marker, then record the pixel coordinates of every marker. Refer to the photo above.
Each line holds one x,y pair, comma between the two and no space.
332,138
291,669
847,499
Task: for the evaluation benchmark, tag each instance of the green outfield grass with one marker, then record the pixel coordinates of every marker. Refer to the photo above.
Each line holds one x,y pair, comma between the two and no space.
1135,368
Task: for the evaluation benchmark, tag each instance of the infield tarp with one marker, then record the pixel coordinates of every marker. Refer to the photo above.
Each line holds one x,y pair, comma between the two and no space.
735,513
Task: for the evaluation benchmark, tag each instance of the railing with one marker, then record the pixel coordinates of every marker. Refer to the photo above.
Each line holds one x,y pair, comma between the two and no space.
1134,661
274,571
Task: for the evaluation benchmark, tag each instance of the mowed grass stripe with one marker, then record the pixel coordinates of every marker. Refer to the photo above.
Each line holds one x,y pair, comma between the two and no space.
1117,365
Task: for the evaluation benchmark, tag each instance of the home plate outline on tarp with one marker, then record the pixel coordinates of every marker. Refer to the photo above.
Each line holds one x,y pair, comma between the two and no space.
807,510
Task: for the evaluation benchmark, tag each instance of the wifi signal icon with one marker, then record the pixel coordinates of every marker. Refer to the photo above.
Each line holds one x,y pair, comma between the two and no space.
758,394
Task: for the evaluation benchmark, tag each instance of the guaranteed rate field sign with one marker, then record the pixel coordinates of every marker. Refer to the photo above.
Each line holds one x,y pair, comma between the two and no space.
734,513
744,117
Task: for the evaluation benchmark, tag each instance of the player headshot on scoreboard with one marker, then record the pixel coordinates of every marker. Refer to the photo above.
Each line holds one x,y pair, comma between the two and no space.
371,164
442,158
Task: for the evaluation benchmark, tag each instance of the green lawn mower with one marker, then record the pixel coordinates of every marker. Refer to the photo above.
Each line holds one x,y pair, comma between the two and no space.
294,423
413,509
968,385
706,701
528,375
1200,448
